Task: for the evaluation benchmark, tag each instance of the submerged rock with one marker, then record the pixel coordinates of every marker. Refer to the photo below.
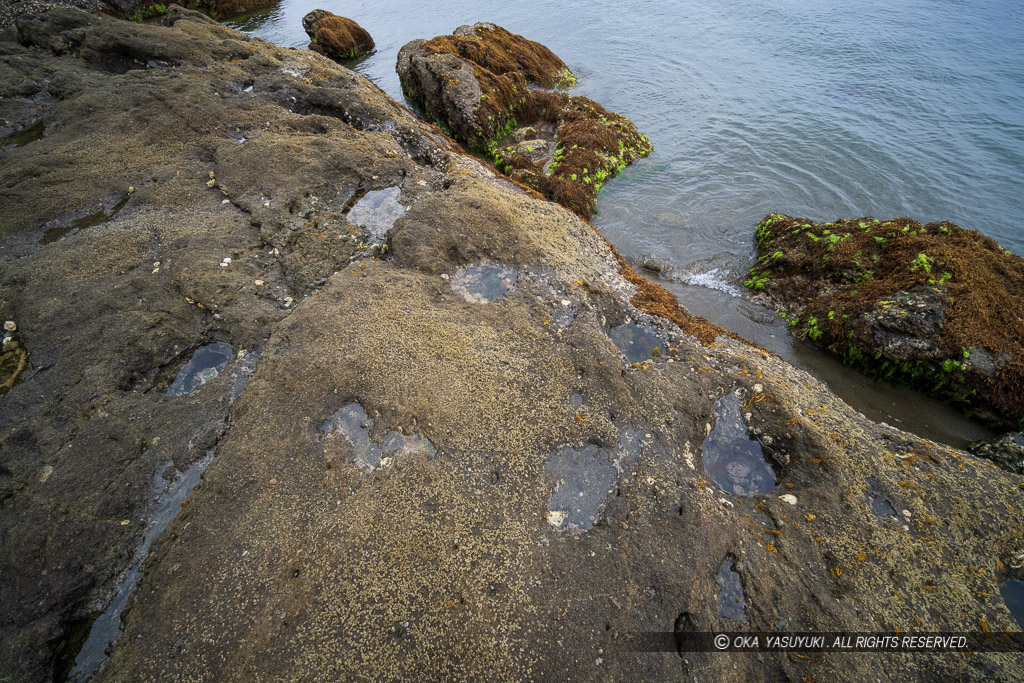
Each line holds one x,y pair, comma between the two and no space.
482,83
483,283
336,37
732,458
206,364
935,306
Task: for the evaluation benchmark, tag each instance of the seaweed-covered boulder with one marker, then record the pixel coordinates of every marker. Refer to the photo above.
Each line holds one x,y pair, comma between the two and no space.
935,306
336,37
1007,451
484,85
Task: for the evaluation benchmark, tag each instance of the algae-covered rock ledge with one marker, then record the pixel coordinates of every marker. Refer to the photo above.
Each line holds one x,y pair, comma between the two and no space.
447,432
935,305
499,93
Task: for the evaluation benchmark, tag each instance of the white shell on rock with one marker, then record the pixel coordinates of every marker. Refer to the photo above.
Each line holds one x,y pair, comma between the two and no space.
788,498
555,518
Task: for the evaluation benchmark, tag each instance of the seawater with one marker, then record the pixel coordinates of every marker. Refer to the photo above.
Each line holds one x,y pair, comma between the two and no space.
823,110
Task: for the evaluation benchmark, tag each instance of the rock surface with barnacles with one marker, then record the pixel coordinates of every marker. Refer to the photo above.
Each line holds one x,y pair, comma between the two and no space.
449,439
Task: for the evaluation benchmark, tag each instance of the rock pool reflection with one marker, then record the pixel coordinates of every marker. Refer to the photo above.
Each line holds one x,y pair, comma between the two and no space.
732,459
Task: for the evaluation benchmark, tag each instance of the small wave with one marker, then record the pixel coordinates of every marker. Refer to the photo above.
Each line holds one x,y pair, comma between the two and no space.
716,278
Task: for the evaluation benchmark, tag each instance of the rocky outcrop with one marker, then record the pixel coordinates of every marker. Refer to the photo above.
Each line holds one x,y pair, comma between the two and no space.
454,445
336,37
135,10
934,306
222,10
497,92
1007,451
144,157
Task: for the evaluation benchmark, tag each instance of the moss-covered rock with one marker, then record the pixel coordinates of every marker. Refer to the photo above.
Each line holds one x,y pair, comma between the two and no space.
935,306
483,83
336,37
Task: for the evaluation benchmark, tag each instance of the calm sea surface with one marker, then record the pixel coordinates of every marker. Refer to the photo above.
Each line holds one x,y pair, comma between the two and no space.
819,109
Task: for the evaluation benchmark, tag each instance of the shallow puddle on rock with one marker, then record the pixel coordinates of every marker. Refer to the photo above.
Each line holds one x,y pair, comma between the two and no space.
636,343
107,626
241,373
483,283
92,220
732,604
584,479
377,211
24,136
1013,594
352,423
731,458
205,365
563,317
881,507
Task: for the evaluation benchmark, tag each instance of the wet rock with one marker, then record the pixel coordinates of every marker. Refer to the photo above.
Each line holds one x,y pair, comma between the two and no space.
206,364
483,85
934,306
1007,451
1013,594
657,264
535,150
352,423
584,480
100,335
525,133
907,326
732,603
732,458
106,627
483,283
336,37
882,508
222,10
636,343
